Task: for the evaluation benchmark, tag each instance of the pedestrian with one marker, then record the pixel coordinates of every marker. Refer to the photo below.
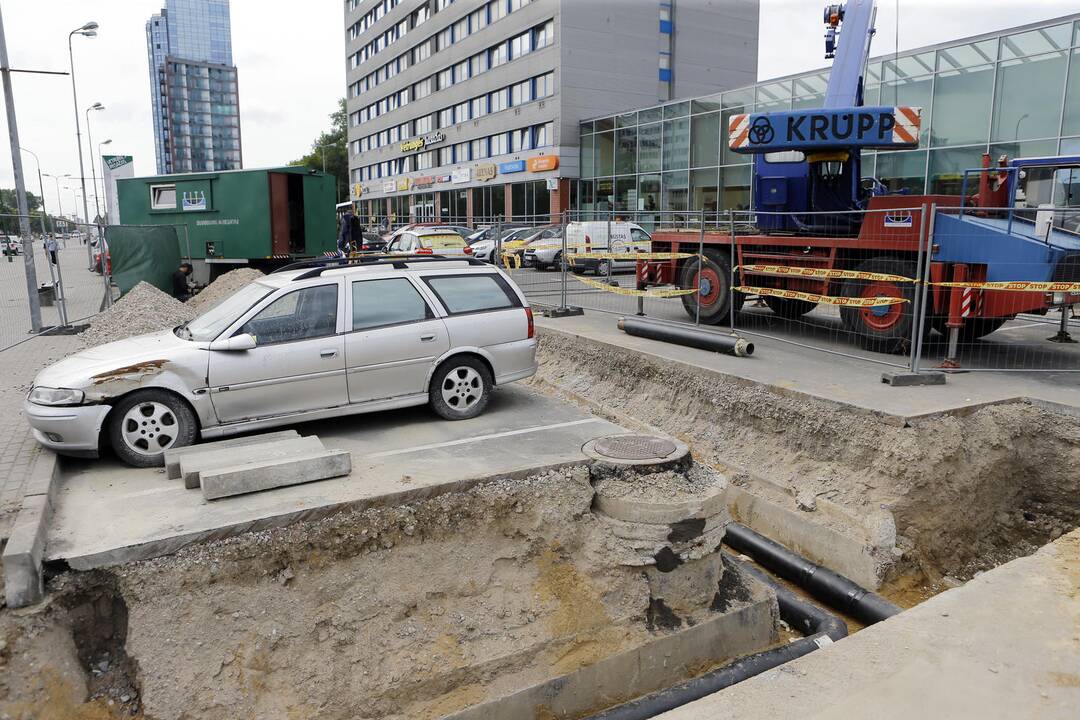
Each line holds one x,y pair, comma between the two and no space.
51,248
180,288
345,235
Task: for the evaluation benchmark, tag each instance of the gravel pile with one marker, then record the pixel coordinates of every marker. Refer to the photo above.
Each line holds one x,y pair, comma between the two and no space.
144,309
222,288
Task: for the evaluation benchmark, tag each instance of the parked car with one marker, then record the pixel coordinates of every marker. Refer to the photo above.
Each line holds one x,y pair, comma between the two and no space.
485,249
301,344
489,232
430,241
371,242
10,245
592,236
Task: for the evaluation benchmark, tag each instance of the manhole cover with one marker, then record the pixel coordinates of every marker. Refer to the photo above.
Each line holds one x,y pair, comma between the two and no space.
634,447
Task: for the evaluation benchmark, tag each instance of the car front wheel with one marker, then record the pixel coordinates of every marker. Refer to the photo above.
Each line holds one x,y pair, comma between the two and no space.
146,423
460,388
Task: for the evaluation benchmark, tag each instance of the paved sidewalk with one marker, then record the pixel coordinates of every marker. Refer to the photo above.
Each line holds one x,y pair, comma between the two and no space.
18,450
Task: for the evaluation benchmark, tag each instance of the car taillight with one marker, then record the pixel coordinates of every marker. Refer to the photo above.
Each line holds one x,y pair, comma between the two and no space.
424,251
365,247
468,250
532,326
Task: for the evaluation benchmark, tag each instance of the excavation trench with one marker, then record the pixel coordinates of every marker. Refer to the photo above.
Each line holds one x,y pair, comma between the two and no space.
933,502
558,594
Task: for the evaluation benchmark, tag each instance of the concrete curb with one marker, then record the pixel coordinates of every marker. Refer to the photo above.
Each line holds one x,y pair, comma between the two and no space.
24,582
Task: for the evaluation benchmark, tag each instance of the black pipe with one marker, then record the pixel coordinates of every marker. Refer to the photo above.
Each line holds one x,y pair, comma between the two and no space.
831,588
689,336
821,626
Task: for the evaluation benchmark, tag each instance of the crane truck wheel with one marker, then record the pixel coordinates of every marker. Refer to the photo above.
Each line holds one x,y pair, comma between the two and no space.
715,286
885,328
789,308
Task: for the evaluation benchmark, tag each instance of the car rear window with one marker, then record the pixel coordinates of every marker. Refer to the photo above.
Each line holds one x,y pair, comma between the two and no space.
442,242
472,293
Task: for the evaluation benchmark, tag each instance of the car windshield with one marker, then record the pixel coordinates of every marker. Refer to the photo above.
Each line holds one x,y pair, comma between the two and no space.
211,323
442,242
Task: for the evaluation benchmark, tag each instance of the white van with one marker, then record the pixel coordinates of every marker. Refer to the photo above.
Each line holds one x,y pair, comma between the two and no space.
592,237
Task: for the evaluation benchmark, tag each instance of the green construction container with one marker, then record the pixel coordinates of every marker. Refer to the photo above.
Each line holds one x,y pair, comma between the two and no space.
258,217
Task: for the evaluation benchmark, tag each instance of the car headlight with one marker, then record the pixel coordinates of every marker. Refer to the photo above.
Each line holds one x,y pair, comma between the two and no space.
56,396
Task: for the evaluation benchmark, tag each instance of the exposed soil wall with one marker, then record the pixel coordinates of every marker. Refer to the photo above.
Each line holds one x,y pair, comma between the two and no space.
967,492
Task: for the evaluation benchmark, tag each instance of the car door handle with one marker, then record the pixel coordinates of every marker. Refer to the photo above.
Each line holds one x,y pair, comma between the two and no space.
328,353
427,338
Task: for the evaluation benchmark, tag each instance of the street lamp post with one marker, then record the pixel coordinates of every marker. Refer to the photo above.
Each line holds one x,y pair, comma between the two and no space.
55,275
101,164
87,30
29,268
59,198
93,170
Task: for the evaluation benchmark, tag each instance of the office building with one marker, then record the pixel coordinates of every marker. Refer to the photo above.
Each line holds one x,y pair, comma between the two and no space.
469,111
1015,92
193,87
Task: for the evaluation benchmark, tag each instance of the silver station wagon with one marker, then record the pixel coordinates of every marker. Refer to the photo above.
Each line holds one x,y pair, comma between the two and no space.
326,339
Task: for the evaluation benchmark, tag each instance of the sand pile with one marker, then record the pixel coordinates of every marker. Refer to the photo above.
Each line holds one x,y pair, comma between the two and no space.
144,309
222,288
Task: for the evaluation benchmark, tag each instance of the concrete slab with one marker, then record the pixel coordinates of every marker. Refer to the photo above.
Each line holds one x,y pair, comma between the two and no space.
1006,645
193,464
850,381
107,513
173,457
267,474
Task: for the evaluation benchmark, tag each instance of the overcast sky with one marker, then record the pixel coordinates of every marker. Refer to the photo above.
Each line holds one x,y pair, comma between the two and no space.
290,58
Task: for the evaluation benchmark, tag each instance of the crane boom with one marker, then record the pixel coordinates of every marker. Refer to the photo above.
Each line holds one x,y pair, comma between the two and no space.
851,53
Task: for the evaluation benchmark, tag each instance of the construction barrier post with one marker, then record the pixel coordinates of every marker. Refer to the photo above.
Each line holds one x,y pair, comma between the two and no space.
732,262
701,255
924,275
917,309
1063,335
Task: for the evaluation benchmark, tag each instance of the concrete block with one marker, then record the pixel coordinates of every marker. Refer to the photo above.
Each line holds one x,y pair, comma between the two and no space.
172,457
193,464
265,475
906,379
43,472
24,582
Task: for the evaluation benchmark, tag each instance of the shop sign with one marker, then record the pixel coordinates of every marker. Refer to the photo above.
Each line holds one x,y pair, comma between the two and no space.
514,166
485,172
403,184
418,143
460,175
389,186
442,178
543,163
553,183
423,181
358,190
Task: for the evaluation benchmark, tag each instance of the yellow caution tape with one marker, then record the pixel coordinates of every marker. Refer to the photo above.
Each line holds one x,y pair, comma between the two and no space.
509,261
629,256
823,299
513,245
1017,286
823,273
653,292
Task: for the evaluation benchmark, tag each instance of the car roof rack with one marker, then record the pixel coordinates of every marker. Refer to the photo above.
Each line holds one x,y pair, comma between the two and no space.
317,266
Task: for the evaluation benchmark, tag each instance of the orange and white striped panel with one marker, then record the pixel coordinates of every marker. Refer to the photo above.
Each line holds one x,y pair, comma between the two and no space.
908,124
739,131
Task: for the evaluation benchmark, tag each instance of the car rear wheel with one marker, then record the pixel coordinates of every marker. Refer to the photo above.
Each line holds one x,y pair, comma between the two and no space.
460,388
146,423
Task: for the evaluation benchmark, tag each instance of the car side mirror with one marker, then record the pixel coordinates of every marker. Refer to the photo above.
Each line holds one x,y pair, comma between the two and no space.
243,341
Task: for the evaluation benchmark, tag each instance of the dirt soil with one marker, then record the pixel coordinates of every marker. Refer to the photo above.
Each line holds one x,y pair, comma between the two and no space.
967,492
224,286
412,611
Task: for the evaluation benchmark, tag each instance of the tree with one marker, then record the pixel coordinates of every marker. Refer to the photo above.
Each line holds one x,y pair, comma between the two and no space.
9,213
332,147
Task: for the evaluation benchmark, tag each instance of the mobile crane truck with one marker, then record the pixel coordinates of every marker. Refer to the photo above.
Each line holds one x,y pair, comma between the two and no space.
823,233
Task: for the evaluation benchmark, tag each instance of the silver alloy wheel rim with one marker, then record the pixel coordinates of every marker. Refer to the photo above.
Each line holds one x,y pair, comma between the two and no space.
150,428
462,388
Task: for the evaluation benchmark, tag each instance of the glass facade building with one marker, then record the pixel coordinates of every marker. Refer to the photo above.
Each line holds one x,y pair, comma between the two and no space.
1014,92
193,87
